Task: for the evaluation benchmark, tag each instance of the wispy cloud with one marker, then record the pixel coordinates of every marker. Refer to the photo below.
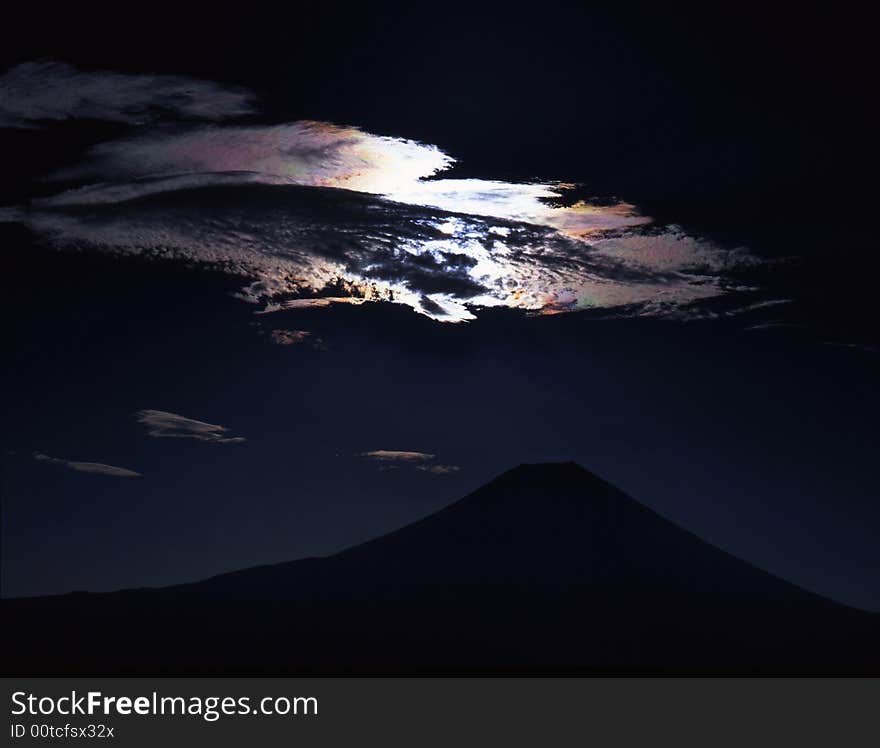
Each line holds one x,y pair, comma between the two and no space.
862,347
35,92
96,468
774,325
160,423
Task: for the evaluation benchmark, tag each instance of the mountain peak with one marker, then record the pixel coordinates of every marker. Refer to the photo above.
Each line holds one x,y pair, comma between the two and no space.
543,489
566,467
551,477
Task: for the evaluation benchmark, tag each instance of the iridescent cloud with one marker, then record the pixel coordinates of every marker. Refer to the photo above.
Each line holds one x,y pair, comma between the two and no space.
313,214
313,154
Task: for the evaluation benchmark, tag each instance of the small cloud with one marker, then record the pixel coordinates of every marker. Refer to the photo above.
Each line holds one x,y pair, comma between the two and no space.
391,459
439,469
289,337
160,423
393,455
96,468
296,337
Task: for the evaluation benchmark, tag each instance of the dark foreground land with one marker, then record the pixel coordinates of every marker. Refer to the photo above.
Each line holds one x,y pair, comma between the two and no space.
546,569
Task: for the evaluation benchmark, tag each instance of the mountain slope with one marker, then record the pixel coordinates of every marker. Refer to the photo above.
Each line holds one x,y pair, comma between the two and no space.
546,568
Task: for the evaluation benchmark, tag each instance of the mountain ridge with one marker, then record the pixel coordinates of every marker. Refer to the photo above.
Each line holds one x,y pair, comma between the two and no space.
546,567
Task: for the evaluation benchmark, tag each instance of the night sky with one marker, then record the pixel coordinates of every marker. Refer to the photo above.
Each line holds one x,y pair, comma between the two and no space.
279,280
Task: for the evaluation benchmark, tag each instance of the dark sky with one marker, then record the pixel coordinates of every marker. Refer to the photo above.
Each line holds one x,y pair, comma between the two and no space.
753,425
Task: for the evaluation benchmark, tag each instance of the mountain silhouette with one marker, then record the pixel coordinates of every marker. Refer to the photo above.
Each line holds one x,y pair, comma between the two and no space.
545,569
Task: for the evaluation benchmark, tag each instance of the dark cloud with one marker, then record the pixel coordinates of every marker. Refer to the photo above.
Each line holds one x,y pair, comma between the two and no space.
430,306
41,91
